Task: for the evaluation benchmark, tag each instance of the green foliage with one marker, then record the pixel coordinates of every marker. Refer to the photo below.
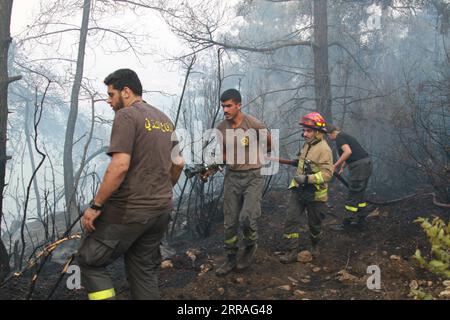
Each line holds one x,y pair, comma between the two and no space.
420,295
439,236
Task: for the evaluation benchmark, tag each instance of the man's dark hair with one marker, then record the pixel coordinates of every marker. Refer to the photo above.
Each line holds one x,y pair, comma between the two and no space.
231,94
332,128
125,78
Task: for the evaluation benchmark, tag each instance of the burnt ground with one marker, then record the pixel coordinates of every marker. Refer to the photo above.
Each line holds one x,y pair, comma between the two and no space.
389,241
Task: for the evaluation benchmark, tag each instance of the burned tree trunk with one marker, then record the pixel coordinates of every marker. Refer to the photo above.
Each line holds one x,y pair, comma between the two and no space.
69,180
28,139
5,80
322,85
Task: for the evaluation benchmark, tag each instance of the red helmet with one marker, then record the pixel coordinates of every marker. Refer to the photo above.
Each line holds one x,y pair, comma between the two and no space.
314,121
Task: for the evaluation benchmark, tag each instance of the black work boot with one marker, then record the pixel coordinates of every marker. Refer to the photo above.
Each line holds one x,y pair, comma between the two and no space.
348,224
361,218
227,266
247,256
289,256
315,251
338,227
356,223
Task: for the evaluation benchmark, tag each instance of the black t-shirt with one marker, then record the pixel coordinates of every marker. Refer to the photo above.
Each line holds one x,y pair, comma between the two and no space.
358,152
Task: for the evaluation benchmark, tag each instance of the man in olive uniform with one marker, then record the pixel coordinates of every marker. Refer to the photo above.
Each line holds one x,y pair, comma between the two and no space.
130,212
309,188
353,156
243,180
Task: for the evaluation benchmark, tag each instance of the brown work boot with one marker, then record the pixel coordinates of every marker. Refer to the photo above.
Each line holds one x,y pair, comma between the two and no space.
227,266
247,257
289,257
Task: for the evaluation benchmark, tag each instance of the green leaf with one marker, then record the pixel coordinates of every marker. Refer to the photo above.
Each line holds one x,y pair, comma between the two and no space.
420,295
438,264
421,220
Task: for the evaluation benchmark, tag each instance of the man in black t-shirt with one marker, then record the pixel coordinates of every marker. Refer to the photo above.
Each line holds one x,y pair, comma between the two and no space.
353,156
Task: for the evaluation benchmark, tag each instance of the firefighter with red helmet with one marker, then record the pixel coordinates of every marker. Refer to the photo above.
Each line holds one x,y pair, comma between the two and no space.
309,188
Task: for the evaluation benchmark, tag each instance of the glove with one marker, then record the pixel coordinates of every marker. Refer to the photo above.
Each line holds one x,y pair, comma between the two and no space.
301,179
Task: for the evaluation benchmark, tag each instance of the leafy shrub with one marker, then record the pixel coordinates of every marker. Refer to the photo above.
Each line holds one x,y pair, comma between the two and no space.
439,236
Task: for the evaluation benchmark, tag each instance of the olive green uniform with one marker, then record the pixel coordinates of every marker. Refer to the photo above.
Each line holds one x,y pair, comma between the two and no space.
138,242
242,206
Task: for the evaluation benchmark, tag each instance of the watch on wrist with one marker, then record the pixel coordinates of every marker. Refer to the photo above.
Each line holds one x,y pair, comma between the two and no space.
94,206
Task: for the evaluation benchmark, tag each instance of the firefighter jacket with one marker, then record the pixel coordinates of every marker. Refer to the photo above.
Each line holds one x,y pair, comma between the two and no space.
319,153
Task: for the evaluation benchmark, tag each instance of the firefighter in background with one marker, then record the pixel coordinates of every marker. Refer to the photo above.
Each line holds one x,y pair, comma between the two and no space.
353,156
309,189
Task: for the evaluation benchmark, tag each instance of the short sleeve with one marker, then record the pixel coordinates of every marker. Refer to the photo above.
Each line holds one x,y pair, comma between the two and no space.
340,141
123,134
175,144
257,124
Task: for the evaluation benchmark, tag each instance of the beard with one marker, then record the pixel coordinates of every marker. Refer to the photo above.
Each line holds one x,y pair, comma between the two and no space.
309,140
120,104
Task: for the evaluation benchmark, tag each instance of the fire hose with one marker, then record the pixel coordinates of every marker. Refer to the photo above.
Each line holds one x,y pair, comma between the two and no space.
344,182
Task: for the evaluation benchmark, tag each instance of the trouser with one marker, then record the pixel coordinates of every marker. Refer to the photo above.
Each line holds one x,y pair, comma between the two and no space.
139,243
360,172
241,207
296,207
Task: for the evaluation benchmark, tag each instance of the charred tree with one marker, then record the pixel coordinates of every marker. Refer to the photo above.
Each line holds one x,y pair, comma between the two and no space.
322,85
69,179
5,80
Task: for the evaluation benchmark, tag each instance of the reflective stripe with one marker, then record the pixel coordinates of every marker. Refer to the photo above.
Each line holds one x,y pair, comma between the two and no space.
300,164
319,178
321,193
352,209
362,205
292,235
293,184
232,240
102,295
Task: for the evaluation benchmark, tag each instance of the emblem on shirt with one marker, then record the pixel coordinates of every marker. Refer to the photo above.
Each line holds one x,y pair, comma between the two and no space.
245,141
151,124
